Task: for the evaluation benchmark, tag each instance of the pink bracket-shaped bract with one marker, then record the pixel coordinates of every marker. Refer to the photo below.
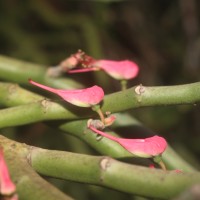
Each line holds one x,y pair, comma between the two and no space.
120,70
83,97
148,147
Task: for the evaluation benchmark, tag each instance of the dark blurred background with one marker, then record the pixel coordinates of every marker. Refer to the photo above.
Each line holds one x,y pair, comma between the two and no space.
161,36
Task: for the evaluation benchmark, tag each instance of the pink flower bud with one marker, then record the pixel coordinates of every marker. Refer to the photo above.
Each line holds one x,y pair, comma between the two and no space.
120,70
7,187
148,147
84,97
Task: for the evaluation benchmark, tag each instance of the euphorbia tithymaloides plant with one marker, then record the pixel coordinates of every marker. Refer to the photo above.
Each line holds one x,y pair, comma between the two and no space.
121,70
7,187
146,148
88,97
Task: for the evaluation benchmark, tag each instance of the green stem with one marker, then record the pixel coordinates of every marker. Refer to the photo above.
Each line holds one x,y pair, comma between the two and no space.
107,147
110,173
123,85
30,185
20,71
134,97
162,165
97,109
104,146
97,170
174,161
12,95
159,161
141,96
34,112
103,171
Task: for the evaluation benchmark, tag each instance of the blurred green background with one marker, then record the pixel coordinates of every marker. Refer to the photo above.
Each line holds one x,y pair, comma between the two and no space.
161,36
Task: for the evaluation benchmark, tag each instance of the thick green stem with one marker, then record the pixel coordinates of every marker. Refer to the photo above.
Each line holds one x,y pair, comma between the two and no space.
174,161
30,186
97,170
107,147
108,172
10,95
20,71
140,96
13,95
103,171
104,146
34,112
134,97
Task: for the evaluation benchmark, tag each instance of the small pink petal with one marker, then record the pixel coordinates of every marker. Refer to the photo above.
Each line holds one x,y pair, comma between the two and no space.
147,147
121,70
7,187
83,97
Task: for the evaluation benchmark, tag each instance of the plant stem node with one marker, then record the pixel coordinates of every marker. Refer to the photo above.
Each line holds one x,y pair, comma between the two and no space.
105,163
140,89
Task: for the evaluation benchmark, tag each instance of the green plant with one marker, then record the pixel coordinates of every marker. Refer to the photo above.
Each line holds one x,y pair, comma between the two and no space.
20,106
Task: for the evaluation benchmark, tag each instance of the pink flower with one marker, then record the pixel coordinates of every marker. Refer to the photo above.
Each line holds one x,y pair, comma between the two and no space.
72,61
148,147
7,187
81,62
84,97
120,70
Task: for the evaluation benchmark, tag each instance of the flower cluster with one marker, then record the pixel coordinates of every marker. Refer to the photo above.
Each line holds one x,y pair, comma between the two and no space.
80,62
92,97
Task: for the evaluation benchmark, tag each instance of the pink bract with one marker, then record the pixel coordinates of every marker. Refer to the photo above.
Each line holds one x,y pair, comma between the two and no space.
83,97
7,187
121,70
148,147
